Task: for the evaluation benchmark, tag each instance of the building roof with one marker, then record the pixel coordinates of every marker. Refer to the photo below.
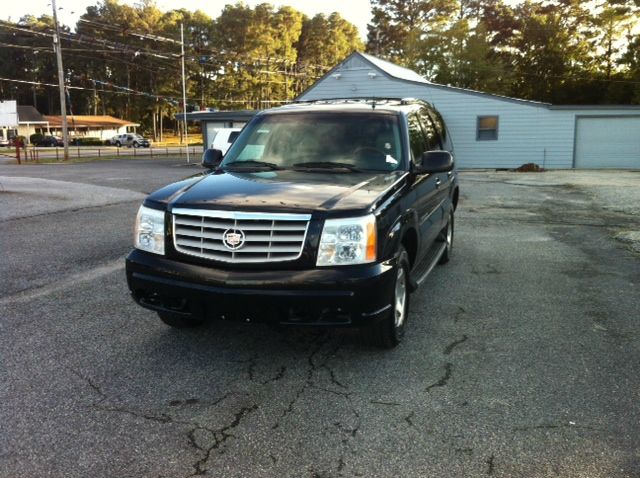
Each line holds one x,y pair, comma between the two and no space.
87,121
394,70
404,74
28,114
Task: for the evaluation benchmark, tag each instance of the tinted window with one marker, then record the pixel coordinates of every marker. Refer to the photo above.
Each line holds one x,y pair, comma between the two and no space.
433,141
366,141
416,138
441,128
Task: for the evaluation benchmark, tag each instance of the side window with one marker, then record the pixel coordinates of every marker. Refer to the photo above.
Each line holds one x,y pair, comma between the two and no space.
441,128
433,141
416,138
487,128
233,136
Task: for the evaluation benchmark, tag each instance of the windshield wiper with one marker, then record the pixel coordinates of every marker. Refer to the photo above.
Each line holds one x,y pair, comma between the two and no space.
251,164
327,165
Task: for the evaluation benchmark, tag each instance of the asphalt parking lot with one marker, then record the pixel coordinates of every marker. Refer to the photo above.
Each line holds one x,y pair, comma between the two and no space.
521,359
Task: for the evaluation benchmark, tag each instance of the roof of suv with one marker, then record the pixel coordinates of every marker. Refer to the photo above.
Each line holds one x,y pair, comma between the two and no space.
354,105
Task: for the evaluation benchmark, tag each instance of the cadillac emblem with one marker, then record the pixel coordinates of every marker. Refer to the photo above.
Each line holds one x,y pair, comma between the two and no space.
233,239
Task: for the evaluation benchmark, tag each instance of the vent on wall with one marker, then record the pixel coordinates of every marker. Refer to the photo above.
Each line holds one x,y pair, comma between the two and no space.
372,74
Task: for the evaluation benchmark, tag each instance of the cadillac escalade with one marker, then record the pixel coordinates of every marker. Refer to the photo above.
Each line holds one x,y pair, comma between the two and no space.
325,213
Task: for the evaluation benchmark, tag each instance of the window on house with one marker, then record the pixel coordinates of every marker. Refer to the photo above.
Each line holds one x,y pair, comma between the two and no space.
487,128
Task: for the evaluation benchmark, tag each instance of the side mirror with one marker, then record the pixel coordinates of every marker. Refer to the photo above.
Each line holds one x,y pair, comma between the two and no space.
435,162
211,158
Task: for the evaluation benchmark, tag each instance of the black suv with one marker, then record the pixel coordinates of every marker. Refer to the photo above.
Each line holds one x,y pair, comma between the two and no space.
325,213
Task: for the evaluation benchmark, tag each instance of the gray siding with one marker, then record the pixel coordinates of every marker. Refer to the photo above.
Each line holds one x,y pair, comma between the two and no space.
528,131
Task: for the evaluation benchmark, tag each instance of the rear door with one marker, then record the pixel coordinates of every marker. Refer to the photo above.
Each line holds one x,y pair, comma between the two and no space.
424,187
443,180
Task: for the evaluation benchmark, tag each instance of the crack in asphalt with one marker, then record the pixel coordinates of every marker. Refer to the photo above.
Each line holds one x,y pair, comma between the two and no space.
409,420
442,381
161,418
459,314
220,436
315,365
312,368
551,426
379,402
94,386
449,348
491,465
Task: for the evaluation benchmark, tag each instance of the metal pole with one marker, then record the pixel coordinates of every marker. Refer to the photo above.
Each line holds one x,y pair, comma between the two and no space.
63,102
184,92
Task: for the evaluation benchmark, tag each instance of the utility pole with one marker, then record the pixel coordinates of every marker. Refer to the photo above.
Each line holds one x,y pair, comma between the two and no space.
184,92
57,46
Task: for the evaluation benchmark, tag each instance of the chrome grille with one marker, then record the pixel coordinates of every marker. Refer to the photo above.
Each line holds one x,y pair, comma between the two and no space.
267,237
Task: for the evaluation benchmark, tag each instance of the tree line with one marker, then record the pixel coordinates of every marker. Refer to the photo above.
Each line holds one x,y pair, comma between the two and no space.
125,60
557,51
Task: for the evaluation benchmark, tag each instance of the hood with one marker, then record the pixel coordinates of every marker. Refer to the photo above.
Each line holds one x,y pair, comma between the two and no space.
292,191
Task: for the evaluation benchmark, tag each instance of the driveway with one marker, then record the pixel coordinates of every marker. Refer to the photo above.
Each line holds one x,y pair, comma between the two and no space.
521,357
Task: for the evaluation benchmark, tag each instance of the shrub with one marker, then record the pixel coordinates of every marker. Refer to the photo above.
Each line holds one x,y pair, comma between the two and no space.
87,142
36,138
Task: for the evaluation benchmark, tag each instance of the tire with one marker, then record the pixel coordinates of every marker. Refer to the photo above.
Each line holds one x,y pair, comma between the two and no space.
446,235
389,332
136,145
179,322
118,144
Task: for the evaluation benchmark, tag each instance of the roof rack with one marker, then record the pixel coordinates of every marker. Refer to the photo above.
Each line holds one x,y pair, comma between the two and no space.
373,101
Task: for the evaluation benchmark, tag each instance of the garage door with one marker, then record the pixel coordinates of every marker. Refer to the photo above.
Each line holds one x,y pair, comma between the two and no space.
608,142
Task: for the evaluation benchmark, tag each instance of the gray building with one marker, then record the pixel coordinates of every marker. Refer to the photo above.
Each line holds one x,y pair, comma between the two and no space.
491,131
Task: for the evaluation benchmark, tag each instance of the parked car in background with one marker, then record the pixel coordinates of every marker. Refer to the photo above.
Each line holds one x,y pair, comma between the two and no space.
224,138
51,141
4,142
132,140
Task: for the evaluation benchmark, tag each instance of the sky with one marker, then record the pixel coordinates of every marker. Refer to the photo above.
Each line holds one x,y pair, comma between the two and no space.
357,12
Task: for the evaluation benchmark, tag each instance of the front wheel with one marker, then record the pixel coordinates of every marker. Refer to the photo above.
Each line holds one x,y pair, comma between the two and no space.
179,322
136,145
118,144
389,332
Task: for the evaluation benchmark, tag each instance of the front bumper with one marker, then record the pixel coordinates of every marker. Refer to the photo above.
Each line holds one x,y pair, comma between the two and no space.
341,296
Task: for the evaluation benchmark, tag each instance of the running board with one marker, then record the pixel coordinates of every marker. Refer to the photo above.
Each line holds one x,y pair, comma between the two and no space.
415,283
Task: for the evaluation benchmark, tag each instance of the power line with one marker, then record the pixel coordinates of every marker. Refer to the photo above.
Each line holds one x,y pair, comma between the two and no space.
126,91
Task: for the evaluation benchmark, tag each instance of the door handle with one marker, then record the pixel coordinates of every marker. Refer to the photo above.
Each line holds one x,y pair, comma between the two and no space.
438,182
449,174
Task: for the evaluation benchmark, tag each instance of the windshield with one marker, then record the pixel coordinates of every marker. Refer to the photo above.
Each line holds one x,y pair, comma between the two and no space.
351,141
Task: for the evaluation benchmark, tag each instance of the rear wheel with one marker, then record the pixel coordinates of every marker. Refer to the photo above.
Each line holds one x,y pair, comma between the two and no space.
389,332
178,321
446,236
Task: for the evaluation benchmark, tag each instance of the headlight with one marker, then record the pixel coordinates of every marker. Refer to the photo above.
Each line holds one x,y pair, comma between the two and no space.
348,241
149,230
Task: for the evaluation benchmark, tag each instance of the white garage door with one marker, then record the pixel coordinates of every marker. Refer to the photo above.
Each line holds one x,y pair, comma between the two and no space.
608,142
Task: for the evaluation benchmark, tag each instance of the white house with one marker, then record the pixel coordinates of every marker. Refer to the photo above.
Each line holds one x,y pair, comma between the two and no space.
8,119
103,127
491,131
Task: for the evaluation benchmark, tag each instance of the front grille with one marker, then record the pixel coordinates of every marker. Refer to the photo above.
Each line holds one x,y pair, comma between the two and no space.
239,237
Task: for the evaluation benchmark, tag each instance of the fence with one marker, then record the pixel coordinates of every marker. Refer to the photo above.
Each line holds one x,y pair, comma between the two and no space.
36,154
